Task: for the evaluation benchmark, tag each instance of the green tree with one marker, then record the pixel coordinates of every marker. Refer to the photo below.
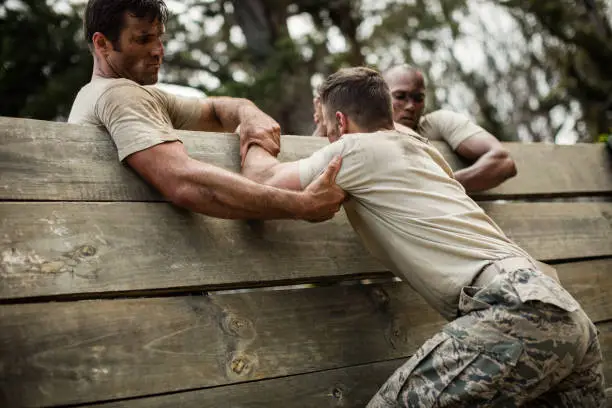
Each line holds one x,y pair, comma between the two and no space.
43,59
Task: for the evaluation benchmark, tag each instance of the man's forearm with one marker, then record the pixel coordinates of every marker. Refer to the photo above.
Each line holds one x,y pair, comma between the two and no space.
230,112
489,171
258,164
220,193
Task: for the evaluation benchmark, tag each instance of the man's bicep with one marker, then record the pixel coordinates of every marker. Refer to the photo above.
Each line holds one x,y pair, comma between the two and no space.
477,145
208,120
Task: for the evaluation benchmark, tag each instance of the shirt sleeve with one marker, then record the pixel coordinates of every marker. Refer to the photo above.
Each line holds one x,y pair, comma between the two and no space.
352,171
450,126
135,119
184,112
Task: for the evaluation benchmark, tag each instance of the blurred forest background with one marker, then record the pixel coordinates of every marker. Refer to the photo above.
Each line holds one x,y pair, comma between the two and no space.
530,70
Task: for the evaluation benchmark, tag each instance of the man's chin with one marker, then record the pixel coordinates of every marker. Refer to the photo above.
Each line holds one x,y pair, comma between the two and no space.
408,123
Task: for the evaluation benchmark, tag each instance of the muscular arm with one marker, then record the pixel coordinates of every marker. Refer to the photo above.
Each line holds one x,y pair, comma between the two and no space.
263,168
213,191
226,114
492,164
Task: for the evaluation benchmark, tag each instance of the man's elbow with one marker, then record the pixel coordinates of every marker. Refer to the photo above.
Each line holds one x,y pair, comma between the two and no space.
506,165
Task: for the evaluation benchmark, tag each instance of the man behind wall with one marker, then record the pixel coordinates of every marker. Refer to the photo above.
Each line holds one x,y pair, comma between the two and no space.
492,165
516,336
125,38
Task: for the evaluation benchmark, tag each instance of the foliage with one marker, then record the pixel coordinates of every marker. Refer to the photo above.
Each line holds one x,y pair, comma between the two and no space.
43,60
533,69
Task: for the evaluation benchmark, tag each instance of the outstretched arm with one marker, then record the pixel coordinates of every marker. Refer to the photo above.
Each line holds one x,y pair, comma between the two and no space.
214,191
262,167
492,165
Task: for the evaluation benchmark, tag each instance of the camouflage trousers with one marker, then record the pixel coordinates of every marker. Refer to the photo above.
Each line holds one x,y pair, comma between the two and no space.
520,341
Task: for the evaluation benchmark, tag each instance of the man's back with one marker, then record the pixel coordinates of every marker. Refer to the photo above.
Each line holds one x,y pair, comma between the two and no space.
411,213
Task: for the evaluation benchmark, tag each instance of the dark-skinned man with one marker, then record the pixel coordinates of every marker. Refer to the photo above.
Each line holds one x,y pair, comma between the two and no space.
491,164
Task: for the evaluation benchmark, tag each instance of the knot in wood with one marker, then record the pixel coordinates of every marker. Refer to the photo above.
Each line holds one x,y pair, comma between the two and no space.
86,250
380,296
238,327
241,365
337,393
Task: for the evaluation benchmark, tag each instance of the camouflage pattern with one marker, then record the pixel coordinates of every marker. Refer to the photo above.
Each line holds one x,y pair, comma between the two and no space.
520,341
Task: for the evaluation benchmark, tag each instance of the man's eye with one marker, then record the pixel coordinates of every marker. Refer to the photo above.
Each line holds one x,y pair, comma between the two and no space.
418,98
400,96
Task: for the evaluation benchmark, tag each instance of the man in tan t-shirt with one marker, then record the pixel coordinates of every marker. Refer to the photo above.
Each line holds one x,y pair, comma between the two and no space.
516,336
492,164
125,40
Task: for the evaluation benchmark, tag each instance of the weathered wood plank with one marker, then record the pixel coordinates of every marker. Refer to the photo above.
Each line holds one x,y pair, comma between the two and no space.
82,352
56,161
68,248
591,283
344,387
77,352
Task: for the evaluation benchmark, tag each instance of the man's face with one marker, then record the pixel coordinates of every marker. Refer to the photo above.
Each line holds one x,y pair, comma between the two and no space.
140,52
408,94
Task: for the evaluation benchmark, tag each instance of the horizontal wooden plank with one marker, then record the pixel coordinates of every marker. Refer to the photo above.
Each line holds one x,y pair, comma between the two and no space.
57,161
591,283
69,248
346,387
87,351
77,352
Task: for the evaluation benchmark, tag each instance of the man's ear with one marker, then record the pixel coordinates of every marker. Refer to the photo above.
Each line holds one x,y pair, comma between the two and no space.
101,44
341,123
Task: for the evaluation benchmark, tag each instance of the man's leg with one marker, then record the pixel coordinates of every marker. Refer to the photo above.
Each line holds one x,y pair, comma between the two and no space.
503,352
583,388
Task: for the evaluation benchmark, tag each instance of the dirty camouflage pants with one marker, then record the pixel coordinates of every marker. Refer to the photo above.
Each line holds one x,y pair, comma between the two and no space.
520,341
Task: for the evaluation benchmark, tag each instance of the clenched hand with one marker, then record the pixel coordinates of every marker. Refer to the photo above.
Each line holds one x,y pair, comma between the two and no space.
258,128
323,196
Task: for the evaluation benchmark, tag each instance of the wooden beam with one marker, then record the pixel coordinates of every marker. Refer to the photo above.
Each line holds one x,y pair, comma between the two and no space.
79,352
87,351
70,248
57,161
344,387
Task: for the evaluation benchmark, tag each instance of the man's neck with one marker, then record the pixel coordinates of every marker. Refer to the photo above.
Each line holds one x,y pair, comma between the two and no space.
101,70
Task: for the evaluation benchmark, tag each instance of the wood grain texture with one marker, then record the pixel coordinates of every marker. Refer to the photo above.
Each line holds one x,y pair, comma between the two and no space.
591,283
77,352
87,351
56,161
67,248
350,387
345,387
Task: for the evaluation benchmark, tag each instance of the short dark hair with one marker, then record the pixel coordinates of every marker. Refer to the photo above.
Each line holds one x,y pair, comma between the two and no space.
360,93
108,16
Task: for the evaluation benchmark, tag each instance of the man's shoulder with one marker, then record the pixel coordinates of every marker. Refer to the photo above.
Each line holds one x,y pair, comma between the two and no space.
83,109
442,117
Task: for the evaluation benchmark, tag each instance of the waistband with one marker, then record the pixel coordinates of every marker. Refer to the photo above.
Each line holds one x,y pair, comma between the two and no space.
495,268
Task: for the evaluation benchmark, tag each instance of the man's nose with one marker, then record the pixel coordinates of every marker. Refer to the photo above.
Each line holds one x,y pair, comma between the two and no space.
158,49
409,105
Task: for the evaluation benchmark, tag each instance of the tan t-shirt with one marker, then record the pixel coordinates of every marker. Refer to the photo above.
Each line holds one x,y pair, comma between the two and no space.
450,126
411,214
137,117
